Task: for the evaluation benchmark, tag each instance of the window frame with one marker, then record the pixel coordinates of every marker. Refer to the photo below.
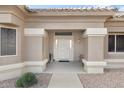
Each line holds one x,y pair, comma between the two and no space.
115,46
16,41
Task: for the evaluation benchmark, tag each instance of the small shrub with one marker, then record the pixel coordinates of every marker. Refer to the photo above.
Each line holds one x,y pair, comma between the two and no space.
27,80
19,83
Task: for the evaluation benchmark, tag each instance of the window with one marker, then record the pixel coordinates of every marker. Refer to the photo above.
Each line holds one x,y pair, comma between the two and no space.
111,44
116,43
120,43
7,41
63,33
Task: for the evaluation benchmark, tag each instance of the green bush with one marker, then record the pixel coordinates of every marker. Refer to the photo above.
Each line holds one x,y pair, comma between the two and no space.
27,80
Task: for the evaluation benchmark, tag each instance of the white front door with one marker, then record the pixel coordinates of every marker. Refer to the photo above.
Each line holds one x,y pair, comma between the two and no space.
63,48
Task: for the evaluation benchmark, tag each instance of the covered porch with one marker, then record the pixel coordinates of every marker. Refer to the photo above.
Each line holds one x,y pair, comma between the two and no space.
87,49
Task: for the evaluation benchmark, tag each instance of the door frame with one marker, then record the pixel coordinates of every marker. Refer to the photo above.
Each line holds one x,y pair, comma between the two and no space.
62,36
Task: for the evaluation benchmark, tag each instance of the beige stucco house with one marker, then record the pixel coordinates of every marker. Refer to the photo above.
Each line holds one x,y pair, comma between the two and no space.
29,37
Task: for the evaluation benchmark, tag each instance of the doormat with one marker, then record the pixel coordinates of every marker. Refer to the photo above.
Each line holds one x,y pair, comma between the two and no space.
63,60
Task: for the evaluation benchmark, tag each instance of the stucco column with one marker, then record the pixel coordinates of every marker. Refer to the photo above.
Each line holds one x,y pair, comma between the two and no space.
34,49
94,50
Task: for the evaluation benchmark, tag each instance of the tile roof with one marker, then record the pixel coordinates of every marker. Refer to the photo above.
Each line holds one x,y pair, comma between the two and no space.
119,15
78,11
81,9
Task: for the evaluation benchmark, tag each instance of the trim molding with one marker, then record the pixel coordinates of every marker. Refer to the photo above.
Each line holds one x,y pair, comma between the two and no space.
115,63
12,13
95,32
16,70
34,32
98,35
13,66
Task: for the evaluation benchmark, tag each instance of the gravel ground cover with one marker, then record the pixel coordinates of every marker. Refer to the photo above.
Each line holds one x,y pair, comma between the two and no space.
43,81
110,79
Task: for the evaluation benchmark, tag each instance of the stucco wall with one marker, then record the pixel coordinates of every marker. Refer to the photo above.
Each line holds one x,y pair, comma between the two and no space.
13,22
12,9
64,22
85,44
45,49
113,27
38,48
78,45
12,16
95,48
19,57
33,48
63,25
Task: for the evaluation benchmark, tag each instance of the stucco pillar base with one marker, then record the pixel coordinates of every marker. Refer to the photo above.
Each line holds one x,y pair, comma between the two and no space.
94,66
35,66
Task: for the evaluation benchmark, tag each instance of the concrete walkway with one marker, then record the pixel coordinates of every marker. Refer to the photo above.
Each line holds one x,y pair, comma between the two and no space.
65,67
65,80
